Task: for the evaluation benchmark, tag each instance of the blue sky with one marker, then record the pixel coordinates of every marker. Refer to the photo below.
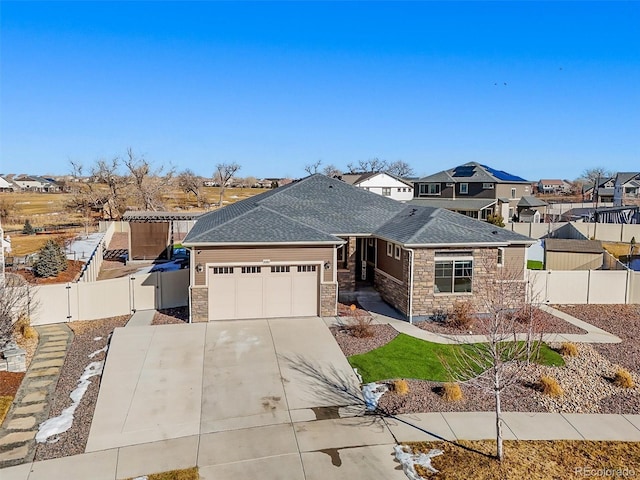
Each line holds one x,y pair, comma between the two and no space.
536,89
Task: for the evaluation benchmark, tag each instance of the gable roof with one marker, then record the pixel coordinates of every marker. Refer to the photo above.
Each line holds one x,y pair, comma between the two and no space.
318,209
370,175
529,201
473,172
419,226
554,181
625,177
573,246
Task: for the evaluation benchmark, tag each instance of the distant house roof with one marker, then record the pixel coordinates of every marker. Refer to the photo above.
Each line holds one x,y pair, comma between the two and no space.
369,175
466,204
551,182
318,209
529,201
573,246
473,172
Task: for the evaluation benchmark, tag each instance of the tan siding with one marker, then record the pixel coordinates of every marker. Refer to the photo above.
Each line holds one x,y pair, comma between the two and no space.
257,255
514,260
387,264
573,261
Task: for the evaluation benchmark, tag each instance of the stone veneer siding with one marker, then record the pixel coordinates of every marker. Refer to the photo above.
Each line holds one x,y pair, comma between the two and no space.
328,294
392,291
347,276
199,304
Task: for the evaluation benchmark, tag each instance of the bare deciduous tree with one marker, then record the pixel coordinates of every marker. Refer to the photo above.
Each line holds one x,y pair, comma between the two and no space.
108,172
510,327
189,182
148,183
15,297
224,172
593,175
312,168
400,168
373,165
331,171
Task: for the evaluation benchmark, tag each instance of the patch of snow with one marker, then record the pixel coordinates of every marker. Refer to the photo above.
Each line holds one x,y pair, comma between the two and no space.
64,421
372,393
103,349
355,370
409,460
97,338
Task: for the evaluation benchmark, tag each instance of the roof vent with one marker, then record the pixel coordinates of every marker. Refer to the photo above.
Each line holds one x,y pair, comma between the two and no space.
495,232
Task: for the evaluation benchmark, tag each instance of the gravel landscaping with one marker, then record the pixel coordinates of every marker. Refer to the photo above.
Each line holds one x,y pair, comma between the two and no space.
90,336
171,316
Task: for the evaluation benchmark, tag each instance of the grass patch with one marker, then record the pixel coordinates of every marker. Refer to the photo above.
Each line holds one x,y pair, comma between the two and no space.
186,474
410,357
5,405
535,265
534,460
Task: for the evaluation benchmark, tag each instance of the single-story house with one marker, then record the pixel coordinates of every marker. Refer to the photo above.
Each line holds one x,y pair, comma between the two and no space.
382,183
294,250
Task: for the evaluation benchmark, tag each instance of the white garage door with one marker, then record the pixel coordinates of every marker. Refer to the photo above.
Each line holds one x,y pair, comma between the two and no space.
263,291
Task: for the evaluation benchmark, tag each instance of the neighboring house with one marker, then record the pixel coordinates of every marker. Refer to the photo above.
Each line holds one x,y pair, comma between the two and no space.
292,251
33,183
382,183
6,186
554,186
567,254
626,188
474,190
604,191
531,209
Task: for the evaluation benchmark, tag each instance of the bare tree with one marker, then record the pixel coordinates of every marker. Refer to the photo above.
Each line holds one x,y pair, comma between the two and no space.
510,327
189,182
251,181
225,172
595,174
373,165
15,298
331,171
312,168
400,168
148,183
108,172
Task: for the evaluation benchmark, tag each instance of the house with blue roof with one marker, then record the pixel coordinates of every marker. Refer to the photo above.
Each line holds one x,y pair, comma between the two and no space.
293,251
474,190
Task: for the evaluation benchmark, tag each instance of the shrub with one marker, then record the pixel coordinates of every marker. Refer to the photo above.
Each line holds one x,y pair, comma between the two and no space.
23,326
623,379
28,228
461,315
401,387
549,386
359,323
495,219
51,260
568,349
451,392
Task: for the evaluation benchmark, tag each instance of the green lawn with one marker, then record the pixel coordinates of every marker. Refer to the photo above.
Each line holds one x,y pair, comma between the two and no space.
535,265
409,357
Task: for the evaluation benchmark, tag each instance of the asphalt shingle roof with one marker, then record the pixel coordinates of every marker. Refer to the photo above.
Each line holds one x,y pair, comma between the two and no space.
473,172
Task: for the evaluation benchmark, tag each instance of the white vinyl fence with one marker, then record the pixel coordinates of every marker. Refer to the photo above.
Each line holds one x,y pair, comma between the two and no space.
585,286
91,268
608,232
109,298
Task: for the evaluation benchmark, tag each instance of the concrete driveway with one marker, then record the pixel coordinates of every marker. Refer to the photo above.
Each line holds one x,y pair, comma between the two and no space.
272,397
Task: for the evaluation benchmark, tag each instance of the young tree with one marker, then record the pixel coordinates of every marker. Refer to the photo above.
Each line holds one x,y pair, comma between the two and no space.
148,183
189,182
225,172
51,260
400,168
509,325
312,168
28,228
15,295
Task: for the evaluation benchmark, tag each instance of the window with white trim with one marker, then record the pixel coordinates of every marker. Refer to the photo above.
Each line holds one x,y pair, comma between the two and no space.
429,189
453,275
389,249
396,252
306,268
464,188
500,256
487,186
280,269
251,269
513,193
386,191
222,270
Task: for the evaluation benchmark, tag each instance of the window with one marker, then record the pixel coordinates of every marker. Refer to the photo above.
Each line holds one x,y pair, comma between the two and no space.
400,189
513,193
500,256
464,188
397,251
386,192
306,268
370,241
251,269
222,270
280,269
487,186
429,189
453,276
389,249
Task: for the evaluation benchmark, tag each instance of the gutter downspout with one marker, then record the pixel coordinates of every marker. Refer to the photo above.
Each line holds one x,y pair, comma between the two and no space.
411,263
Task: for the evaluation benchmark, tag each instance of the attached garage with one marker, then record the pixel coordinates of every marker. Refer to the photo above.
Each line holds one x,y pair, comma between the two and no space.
263,291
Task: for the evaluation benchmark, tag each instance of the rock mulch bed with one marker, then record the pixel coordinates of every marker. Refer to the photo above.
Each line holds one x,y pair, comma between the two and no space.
90,336
171,316
544,323
350,345
621,320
